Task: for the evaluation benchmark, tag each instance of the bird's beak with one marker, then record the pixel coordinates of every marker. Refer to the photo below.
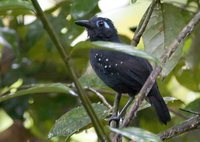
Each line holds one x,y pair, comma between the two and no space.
84,23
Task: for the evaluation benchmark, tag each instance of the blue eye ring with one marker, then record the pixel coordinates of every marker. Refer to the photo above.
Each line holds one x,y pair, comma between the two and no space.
102,23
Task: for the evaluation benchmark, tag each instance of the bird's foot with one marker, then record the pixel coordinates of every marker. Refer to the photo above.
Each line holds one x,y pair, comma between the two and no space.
114,118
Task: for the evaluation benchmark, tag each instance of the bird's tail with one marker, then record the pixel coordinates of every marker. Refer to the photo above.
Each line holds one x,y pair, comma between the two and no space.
158,103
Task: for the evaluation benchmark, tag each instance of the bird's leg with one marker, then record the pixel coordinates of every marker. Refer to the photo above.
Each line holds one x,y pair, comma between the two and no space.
115,111
117,118
130,100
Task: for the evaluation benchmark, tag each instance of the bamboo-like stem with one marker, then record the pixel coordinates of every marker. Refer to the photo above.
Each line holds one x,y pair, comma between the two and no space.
84,99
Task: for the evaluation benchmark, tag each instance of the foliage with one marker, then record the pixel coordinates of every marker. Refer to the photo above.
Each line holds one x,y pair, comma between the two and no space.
30,64
137,134
75,120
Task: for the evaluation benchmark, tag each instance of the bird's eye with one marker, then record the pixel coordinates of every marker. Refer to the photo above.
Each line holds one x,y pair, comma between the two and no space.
102,23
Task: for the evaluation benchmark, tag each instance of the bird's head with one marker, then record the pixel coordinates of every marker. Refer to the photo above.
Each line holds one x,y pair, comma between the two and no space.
99,29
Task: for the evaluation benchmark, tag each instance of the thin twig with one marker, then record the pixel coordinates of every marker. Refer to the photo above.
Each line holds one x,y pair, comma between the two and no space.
178,113
105,92
190,111
100,96
188,125
140,30
151,79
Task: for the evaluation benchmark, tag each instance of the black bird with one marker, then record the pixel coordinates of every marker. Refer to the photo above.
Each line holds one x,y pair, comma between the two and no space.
122,72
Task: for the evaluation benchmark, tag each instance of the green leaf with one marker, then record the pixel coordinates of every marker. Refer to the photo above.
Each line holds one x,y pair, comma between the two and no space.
15,8
75,120
89,78
83,47
162,29
188,78
80,8
137,134
40,88
194,105
187,73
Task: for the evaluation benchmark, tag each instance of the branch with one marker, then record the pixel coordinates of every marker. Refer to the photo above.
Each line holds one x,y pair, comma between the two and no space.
178,114
142,25
103,99
151,79
84,99
185,126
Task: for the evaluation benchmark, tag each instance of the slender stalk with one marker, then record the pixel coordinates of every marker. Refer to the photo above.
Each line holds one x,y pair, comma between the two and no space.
143,24
85,101
177,113
190,111
103,99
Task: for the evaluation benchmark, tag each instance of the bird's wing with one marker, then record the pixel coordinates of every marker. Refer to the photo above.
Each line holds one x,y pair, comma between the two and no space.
135,71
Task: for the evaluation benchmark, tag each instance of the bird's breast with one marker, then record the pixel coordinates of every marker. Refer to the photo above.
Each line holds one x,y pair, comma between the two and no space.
104,62
107,65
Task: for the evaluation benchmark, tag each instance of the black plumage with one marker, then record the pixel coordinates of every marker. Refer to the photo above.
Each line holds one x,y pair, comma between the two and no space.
122,72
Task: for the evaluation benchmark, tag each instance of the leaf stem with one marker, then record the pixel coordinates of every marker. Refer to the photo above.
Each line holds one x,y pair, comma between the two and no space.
84,99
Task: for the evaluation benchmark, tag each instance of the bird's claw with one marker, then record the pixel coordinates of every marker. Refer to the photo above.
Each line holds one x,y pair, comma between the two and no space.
114,118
